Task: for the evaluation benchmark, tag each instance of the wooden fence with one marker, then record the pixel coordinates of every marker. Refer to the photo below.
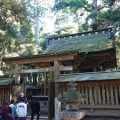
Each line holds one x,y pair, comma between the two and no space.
101,96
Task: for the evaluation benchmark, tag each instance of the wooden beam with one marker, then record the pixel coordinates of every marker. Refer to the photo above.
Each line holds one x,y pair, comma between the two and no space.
4,86
39,59
66,68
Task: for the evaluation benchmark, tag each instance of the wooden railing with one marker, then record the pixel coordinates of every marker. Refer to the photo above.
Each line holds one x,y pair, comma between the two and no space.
97,93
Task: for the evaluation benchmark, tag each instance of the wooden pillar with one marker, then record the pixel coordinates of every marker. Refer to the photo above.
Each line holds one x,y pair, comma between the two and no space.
51,101
116,94
91,95
99,94
45,83
53,91
17,74
25,84
56,73
18,87
111,92
2,95
108,94
10,91
51,76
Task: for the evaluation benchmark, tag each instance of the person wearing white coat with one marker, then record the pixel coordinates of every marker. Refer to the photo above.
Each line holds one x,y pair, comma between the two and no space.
21,110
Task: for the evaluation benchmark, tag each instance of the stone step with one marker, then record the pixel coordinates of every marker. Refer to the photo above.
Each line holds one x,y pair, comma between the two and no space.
87,117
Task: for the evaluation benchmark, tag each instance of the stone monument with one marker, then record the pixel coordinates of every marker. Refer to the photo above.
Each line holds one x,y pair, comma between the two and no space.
72,98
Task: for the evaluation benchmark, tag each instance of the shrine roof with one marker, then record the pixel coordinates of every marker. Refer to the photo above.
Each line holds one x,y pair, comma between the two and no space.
6,81
89,76
81,42
90,41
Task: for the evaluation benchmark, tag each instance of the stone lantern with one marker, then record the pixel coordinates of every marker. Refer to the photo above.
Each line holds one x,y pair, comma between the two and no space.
72,97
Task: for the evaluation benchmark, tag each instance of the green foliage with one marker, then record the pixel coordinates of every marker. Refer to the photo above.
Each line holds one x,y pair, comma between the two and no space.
10,31
16,29
97,16
111,15
118,51
12,13
91,16
73,4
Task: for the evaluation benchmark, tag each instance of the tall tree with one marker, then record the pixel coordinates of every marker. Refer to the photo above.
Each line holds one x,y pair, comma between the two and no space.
15,29
12,13
38,11
97,14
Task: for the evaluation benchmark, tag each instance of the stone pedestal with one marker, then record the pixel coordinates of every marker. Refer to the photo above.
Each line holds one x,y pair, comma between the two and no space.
72,115
57,109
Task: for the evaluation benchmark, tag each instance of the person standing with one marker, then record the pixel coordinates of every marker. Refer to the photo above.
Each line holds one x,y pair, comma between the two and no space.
13,107
21,110
23,97
6,111
35,107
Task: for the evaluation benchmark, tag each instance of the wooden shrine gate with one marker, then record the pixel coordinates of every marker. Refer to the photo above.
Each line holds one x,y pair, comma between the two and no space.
45,73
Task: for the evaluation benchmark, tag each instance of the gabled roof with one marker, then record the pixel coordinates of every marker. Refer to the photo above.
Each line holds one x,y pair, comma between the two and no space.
6,81
81,42
89,76
69,46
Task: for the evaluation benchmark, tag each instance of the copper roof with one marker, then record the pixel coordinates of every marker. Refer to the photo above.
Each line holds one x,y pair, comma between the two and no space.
89,76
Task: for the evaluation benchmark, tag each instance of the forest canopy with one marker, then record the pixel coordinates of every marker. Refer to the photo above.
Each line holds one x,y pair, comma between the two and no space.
23,27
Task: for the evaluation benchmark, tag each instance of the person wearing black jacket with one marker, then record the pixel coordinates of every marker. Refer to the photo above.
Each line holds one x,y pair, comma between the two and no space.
35,107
